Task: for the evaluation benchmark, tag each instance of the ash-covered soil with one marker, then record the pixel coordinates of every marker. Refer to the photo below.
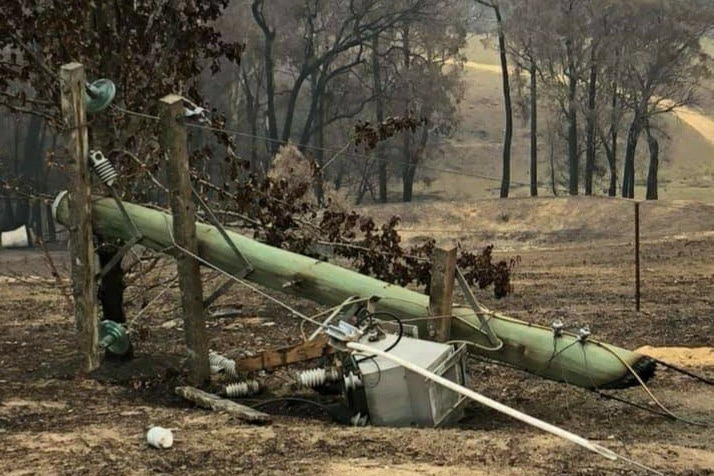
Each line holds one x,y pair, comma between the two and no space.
54,420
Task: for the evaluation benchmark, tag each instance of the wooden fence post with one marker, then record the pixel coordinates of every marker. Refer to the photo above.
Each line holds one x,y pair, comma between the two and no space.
174,145
441,291
72,84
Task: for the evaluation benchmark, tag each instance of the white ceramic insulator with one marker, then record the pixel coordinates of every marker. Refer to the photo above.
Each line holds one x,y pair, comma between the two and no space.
352,381
242,389
104,168
333,375
219,363
230,367
312,378
316,377
215,359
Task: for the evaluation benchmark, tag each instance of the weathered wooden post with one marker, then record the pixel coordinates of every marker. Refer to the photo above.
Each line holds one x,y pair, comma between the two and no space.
174,145
441,291
72,84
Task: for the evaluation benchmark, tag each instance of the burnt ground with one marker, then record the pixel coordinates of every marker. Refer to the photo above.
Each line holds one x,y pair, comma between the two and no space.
54,420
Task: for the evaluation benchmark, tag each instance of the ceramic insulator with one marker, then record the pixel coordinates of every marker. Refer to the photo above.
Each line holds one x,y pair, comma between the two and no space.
352,381
218,363
103,167
242,389
316,377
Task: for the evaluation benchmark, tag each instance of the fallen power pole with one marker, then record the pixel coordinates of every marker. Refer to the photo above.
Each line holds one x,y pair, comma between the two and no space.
548,352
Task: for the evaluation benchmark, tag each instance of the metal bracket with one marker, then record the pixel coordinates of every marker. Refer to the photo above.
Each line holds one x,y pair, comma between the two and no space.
332,316
245,266
220,291
478,308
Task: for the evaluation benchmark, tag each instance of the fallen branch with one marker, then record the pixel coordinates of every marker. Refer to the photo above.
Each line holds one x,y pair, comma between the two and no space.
216,403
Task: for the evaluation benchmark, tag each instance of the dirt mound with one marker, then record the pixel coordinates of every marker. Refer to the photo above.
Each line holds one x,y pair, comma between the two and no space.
683,356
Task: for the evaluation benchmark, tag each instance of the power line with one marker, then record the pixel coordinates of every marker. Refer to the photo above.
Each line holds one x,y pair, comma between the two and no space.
324,149
341,151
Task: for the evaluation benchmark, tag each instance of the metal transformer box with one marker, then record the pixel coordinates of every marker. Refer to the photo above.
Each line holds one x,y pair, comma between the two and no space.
396,396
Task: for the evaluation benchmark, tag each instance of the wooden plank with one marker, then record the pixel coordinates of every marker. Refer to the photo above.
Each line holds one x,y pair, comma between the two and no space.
271,359
174,144
216,403
441,291
72,84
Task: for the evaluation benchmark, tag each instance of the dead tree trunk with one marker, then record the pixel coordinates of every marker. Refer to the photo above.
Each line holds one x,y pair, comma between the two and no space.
379,111
573,159
611,150
534,128
507,104
628,175
591,127
411,160
654,165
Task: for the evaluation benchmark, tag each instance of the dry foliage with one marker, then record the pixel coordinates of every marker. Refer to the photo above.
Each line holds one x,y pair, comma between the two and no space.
281,210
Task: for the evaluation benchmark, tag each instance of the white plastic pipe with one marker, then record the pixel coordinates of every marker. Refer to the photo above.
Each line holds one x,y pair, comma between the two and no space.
578,440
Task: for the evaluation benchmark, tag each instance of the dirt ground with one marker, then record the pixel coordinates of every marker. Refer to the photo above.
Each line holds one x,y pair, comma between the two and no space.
56,421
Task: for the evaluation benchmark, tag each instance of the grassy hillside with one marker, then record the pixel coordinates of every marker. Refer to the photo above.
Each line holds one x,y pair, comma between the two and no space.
474,153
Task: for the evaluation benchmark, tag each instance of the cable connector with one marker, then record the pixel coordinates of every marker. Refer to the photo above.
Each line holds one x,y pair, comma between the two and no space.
341,333
584,333
194,111
558,327
200,114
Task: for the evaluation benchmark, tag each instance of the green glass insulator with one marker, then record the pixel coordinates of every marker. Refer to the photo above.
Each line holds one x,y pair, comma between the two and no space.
99,95
113,337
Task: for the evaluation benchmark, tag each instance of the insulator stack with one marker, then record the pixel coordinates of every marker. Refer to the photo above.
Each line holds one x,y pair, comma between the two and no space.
103,167
352,381
317,377
220,363
242,389
113,337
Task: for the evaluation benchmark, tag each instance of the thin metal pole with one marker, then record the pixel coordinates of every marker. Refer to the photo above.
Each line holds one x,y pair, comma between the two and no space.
637,256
